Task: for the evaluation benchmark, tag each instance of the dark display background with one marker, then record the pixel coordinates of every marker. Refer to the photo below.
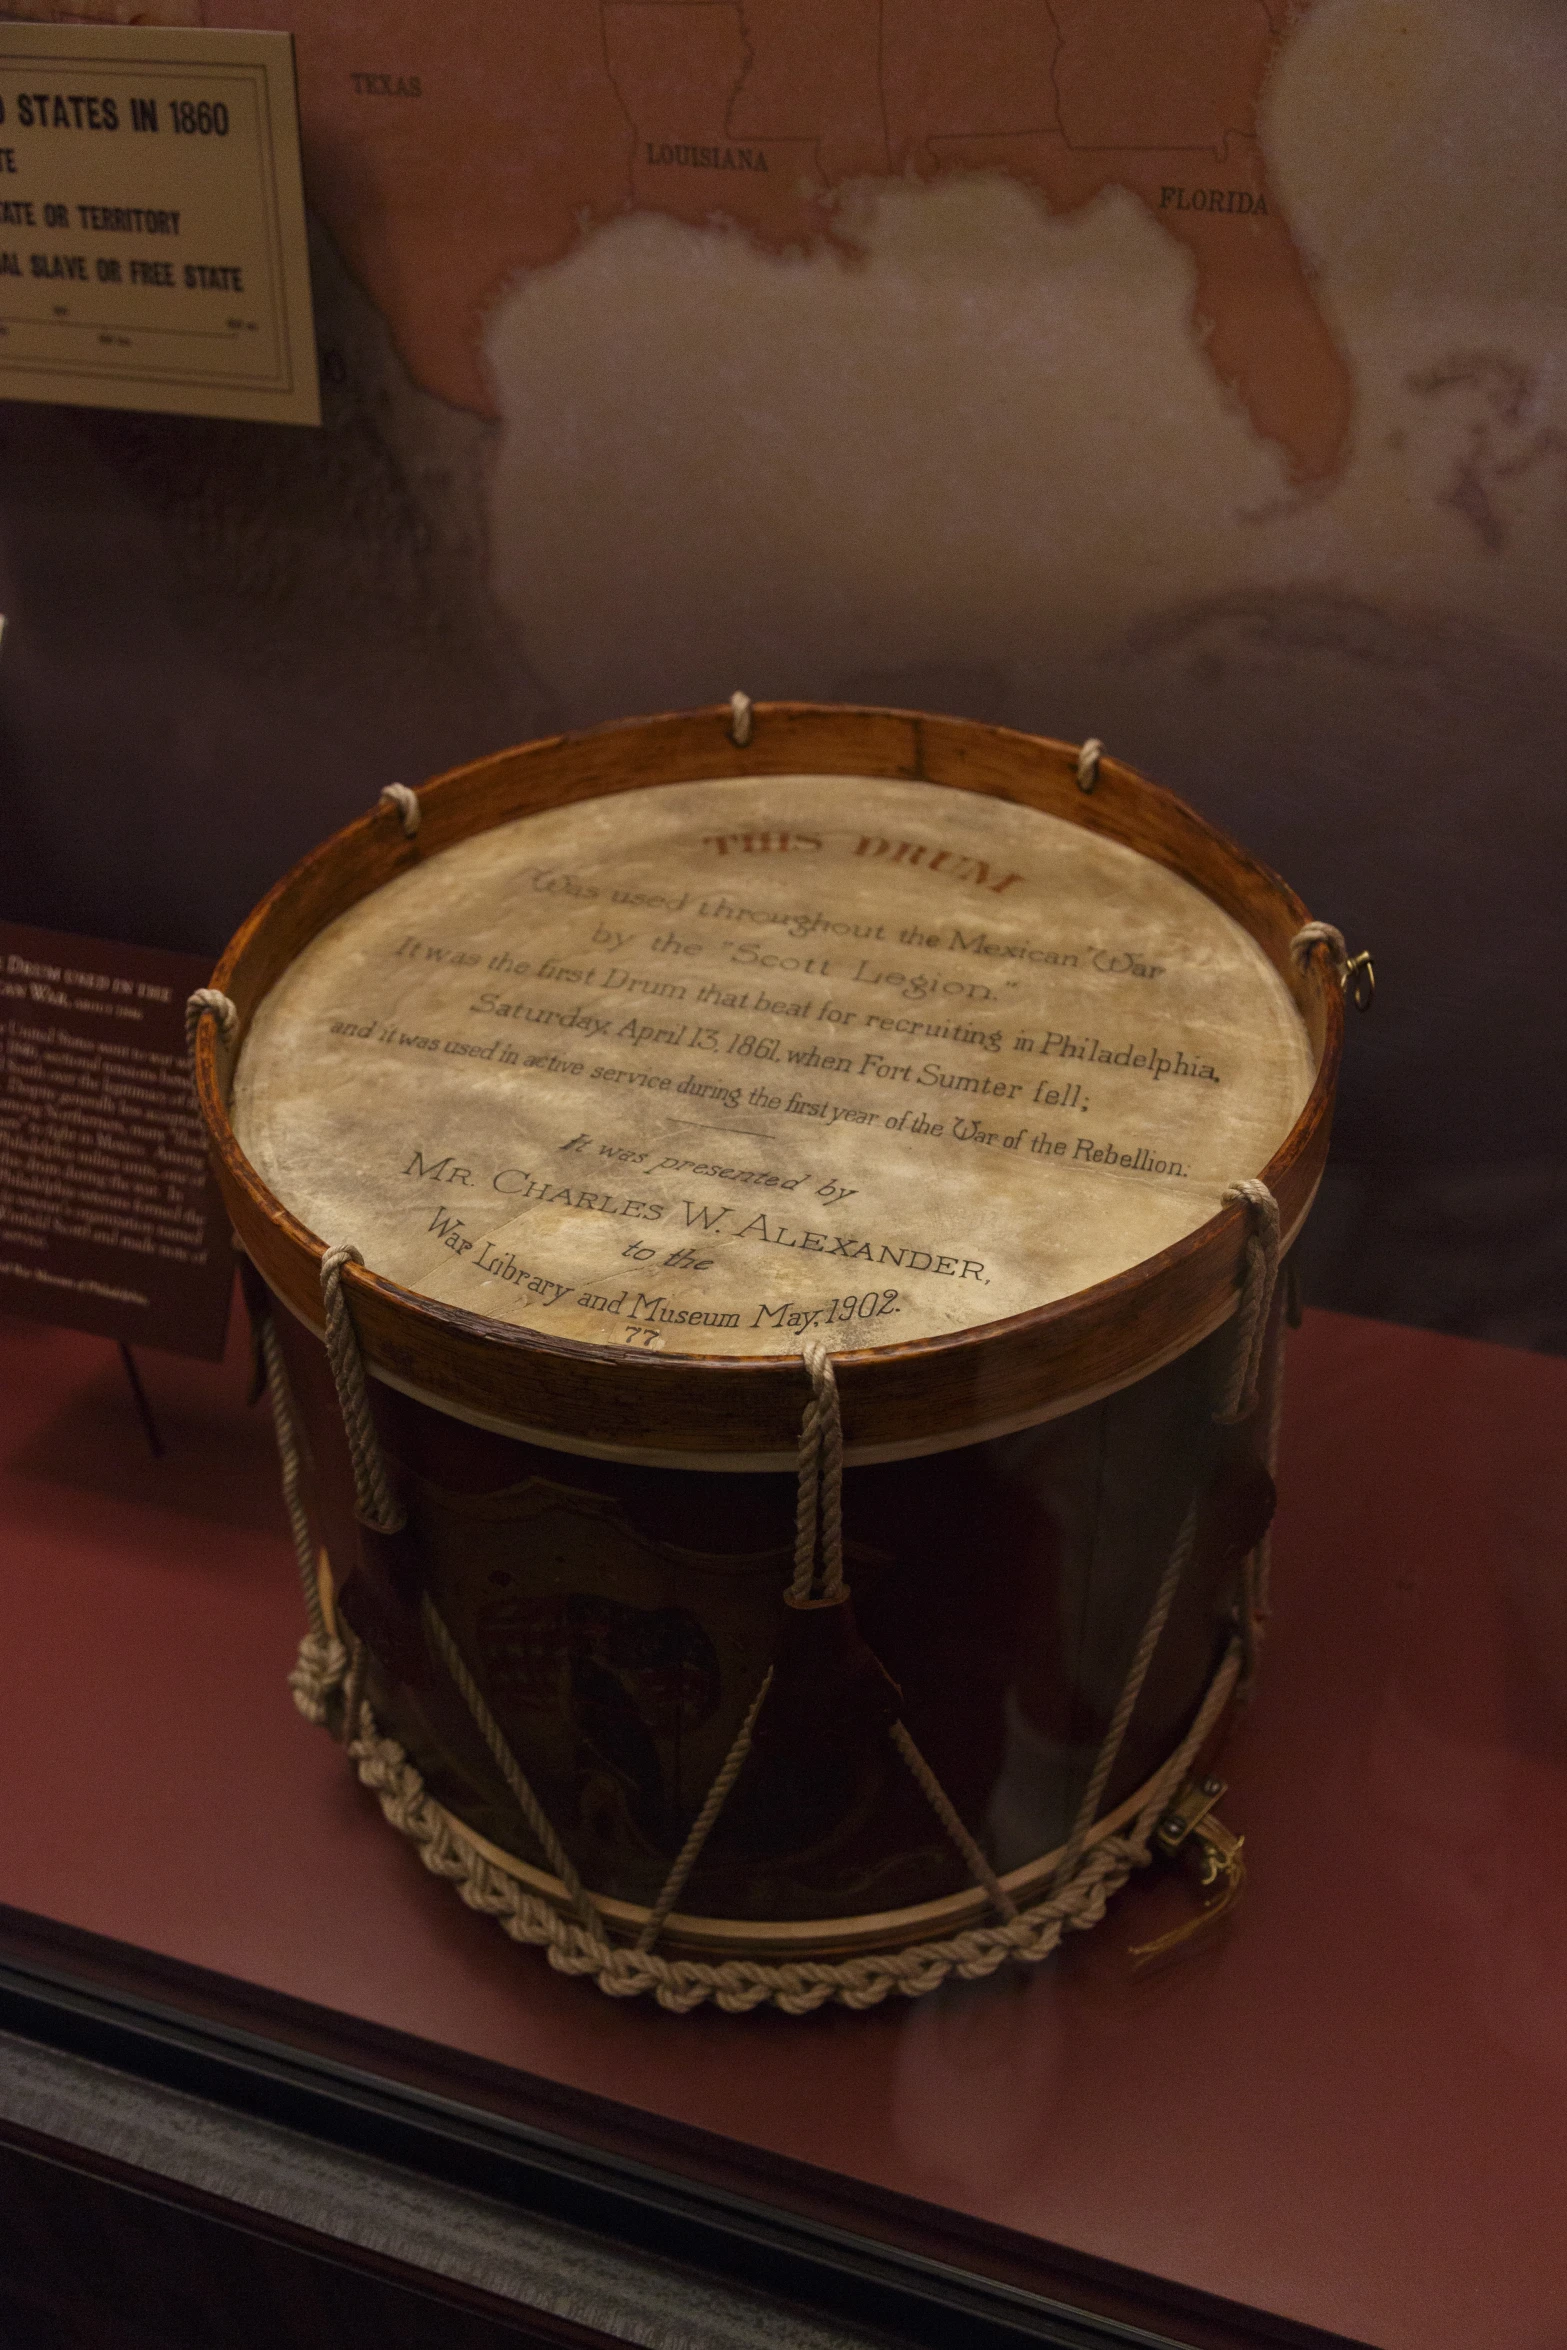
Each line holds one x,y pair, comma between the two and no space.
225,638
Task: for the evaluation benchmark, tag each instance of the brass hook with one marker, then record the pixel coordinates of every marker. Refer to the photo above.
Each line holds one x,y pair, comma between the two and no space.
1191,1823
1359,981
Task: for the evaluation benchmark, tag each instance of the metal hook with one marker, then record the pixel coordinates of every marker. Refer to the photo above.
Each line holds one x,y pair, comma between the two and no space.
1359,981
1191,1825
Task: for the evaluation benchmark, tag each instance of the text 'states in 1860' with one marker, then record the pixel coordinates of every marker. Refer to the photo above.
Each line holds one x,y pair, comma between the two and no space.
152,222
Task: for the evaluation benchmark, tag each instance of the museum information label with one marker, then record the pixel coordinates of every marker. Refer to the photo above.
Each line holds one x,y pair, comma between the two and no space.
703,1067
152,222
109,1220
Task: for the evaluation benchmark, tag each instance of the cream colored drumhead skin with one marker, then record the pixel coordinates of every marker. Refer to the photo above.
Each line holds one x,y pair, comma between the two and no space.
702,1067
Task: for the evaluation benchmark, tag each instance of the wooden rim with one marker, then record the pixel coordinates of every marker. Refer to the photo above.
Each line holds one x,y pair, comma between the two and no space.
731,1412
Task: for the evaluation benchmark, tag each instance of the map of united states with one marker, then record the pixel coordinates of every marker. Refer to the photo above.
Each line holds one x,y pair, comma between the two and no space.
450,151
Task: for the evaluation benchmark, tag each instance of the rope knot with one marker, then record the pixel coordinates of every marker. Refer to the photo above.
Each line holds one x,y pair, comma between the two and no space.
1088,759
1320,934
739,719
1356,974
318,1671
222,1008
406,802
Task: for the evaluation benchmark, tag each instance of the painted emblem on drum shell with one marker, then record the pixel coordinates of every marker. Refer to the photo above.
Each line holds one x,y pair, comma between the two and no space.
619,1666
628,1679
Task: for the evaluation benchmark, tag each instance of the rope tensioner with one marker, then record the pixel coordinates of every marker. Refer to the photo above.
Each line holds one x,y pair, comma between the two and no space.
576,1938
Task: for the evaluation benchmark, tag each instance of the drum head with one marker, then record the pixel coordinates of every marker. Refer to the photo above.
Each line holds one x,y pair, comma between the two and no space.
733,1061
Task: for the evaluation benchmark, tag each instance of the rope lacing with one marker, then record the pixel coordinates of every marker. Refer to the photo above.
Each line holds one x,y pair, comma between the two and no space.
1090,1868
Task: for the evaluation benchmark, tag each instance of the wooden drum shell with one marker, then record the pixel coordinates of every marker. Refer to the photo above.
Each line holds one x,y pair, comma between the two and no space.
1002,1585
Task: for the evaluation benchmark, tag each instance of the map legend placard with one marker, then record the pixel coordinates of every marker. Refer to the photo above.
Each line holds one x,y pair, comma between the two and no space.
152,222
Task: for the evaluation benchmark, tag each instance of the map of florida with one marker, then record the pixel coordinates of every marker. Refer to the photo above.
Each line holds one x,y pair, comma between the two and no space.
451,149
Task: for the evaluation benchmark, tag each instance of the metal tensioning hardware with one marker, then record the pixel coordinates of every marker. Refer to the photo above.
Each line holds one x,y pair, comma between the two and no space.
1191,1823
1360,980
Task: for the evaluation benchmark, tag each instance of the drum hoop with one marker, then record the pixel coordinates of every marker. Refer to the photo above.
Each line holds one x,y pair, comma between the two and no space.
839,1937
900,1401
491,1880
856,1456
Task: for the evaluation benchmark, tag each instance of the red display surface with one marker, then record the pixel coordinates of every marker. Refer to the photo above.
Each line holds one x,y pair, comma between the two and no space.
1349,2111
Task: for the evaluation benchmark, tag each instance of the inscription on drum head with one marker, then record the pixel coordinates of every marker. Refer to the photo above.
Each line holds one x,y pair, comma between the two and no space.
707,1067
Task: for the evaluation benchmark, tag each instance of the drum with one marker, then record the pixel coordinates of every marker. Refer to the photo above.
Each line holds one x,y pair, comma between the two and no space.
763,1227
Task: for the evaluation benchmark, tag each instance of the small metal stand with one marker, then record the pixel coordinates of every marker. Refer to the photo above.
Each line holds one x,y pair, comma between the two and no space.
149,1426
